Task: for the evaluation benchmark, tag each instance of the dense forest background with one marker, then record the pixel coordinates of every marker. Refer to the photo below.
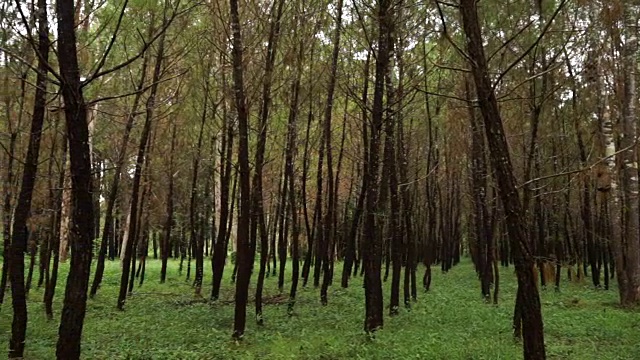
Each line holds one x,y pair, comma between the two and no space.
316,142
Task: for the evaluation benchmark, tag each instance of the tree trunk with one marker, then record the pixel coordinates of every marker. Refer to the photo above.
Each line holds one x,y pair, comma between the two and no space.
169,222
630,293
115,183
390,160
257,206
19,233
46,247
56,218
306,267
226,211
327,221
503,171
292,132
7,208
482,233
244,255
128,254
372,257
193,206
350,253
82,224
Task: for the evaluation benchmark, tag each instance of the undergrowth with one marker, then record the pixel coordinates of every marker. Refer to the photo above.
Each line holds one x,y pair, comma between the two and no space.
166,321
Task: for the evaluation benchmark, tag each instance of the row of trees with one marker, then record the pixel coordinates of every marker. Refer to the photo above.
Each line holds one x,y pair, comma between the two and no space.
379,134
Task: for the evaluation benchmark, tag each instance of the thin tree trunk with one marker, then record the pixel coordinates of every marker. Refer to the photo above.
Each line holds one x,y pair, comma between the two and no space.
7,208
390,161
56,219
292,132
144,138
327,222
19,233
169,222
372,257
306,267
257,206
199,245
499,153
107,231
479,188
243,241
45,250
350,253
226,211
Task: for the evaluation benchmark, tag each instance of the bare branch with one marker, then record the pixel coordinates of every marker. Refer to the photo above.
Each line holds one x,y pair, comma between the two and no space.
104,56
446,34
144,89
586,168
532,46
33,45
442,95
510,40
143,50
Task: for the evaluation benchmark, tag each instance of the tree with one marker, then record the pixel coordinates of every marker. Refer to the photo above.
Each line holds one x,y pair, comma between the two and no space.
82,224
372,257
326,243
144,138
244,255
19,234
628,270
257,207
107,231
503,172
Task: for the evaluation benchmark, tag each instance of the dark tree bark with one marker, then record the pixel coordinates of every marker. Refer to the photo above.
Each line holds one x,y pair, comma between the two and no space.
427,248
107,231
405,220
52,280
226,211
142,228
97,186
45,249
275,227
372,256
82,220
282,229
328,221
481,229
9,186
257,206
19,233
7,208
155,245
34,233
193,206
350,253
165,248
339,227
244,258
390,161
135,193
503,171
306,267
290,173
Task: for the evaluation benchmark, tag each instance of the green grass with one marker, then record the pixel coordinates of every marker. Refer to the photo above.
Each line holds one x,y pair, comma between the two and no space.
450,322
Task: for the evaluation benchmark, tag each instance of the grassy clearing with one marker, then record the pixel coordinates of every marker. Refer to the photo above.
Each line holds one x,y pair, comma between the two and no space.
449,322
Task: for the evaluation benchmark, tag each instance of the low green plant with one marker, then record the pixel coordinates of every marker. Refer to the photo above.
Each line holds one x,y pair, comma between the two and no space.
165,321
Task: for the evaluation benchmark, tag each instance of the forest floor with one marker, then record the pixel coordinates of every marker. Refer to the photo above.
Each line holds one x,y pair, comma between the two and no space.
165,321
